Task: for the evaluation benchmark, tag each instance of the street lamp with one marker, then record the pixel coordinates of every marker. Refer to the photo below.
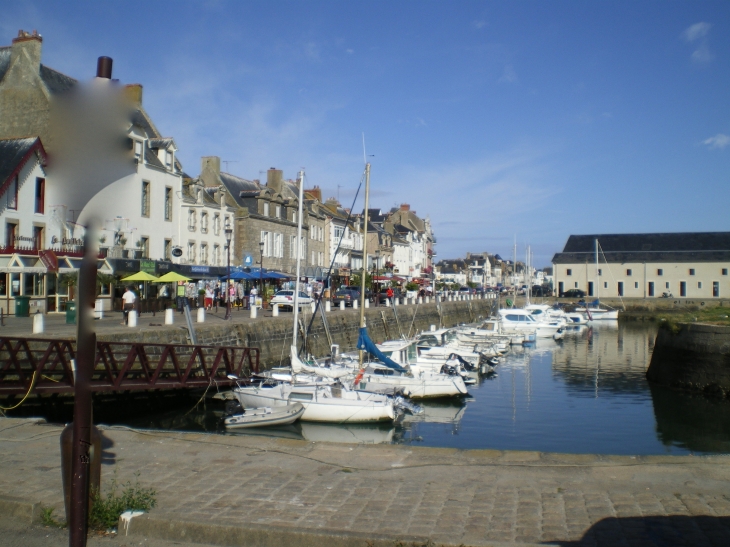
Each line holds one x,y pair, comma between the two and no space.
261,273
229,235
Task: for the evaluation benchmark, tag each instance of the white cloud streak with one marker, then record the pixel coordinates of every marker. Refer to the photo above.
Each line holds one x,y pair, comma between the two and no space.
509,76
698,34
719,141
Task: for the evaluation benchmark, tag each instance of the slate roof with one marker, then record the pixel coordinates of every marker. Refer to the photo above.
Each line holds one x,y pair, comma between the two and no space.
452,266
237,186
55,81
659,247
13,155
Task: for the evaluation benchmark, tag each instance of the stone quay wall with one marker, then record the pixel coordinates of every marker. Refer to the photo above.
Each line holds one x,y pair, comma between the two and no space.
273,335
695,357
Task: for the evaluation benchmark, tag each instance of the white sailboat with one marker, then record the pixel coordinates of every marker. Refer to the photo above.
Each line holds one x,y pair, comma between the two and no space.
322,402
594,312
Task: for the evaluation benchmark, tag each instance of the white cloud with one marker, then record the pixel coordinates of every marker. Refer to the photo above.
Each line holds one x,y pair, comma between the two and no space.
509,76
697,34
479,24
718,141
696,31
350,51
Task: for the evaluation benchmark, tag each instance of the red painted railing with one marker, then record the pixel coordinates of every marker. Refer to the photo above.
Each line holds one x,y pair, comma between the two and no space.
38,366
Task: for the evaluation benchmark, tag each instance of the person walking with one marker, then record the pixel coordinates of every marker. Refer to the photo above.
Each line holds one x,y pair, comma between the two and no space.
208,298
389,295
128,300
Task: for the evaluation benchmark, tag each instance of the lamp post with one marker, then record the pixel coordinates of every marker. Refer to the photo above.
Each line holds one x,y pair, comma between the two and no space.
261,273
229,235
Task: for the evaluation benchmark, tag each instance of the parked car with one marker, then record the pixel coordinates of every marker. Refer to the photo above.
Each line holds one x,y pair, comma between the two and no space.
541,290
285,299
574,293
347,295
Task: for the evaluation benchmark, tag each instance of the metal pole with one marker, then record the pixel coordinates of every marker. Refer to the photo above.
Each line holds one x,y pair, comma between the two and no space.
364,255
298,247
228,282
85,354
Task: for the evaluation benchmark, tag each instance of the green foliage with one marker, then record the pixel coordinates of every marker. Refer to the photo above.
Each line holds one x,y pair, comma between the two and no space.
106,510
472,285
355,281
68,279
412,286
454,286
48,520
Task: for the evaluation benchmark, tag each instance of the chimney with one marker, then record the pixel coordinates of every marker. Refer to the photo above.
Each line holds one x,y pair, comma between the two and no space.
316,193
133,93
405,207
104,67
29,45
274,178
211,163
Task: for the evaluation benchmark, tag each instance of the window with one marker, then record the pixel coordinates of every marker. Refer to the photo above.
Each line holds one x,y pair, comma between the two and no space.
724,271
569,272
216,255
628,272
715,289
699,284
266,208
267,238
192,220
294,216
576,284
600,271
204,222
191,252
167,251
33,284
144,246
651,288
691,271
168,203
137,149
666,285
340,232
605,284
12,194
292,246
38,237
217,224
682,288
145,198
278,211
321,233
11,230
168,159
40,196
636,284
660,272
203,253
278,245
620,288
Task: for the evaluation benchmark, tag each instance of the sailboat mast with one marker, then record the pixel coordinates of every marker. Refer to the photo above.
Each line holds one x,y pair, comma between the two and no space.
598,284
299,258
364,254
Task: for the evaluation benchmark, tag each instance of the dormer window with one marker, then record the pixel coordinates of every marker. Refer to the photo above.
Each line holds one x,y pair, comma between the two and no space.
278,211
266,208
168,159
137,149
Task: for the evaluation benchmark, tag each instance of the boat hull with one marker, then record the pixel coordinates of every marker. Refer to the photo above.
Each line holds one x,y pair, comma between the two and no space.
265,417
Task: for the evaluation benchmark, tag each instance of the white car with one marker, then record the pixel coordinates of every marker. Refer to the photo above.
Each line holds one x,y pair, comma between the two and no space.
285,299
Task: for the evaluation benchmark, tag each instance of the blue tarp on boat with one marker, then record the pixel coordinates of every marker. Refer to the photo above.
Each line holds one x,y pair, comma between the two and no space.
364,343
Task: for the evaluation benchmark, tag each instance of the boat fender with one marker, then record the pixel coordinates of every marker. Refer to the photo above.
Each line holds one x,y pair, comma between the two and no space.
359,376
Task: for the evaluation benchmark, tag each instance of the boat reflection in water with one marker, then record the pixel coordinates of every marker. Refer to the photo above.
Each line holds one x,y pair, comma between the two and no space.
375,433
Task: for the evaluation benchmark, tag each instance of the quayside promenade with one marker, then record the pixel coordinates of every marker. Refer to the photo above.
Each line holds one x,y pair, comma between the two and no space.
251,490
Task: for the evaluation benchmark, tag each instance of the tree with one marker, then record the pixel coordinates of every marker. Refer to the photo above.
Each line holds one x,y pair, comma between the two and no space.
412,286
355,281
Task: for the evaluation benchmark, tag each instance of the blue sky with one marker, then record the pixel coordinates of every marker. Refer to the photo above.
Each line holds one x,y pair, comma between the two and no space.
498,120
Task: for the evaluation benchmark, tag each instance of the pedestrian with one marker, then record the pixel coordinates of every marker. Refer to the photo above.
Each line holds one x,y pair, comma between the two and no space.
208,297
389,294
128,300
216,295
252,298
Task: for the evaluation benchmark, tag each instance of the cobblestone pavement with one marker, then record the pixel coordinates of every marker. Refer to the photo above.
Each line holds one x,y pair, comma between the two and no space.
452,496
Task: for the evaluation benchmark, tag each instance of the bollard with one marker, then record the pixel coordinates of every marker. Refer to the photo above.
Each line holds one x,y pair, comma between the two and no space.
396,302
420,300
132,318
428,300
355,304
201,315
169,316
313,306
387,302
253,312
275,310
38,323
99,309
367,303
342,304
328,306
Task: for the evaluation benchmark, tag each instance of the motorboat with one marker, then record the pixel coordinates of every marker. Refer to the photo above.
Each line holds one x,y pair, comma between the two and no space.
520,320
265,416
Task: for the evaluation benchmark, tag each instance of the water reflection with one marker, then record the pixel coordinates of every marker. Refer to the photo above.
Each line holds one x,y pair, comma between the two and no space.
584,394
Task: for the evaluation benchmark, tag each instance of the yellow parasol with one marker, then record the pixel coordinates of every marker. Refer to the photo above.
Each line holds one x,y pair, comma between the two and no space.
171,277
140,276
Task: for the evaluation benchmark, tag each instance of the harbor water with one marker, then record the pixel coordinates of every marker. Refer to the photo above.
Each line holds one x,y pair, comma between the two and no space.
584,394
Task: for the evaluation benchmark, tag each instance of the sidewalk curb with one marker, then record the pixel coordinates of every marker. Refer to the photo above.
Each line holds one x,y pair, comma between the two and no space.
30,512
251,535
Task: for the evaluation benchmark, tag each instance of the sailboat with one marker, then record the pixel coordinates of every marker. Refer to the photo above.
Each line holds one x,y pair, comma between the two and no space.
593,311
322,401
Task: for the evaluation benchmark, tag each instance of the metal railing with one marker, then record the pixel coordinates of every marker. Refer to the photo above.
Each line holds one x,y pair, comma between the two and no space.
30,365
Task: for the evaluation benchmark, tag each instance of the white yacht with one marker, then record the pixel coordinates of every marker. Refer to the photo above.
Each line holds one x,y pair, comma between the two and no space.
522,321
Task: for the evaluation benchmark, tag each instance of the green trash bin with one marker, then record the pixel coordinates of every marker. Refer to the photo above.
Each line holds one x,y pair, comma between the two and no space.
22,306
70,313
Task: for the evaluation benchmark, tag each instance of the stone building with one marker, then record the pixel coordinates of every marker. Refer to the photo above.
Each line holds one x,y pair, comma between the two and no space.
691,265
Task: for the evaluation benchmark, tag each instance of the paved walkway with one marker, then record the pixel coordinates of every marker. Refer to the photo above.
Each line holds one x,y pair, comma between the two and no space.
212,487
